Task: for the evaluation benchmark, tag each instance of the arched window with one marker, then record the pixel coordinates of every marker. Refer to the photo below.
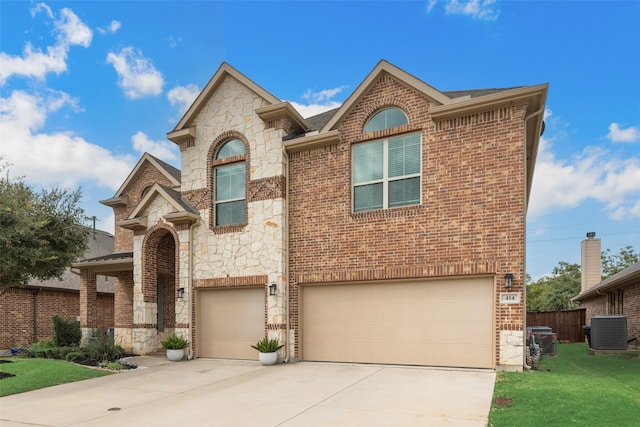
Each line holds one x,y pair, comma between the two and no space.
385,119
230,184
386,173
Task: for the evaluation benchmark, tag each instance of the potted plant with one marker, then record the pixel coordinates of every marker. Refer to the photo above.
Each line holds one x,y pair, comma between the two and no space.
175,345
268,350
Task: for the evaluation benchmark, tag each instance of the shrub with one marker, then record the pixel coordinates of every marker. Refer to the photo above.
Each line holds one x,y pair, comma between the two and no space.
102,348
37,349
66,332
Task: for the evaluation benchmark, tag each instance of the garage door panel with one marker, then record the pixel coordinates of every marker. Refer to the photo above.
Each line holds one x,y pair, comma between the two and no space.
439,323
229,322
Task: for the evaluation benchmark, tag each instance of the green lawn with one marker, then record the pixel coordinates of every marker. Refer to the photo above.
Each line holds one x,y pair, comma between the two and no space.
572,388
31,374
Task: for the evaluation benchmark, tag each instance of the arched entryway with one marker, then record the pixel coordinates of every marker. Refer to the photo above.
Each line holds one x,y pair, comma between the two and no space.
159,276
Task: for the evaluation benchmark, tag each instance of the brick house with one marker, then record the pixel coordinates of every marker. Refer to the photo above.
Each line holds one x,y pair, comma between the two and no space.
389,230
27,312
618,294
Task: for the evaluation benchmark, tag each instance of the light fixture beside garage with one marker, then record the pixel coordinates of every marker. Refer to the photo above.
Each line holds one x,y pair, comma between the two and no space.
272,289
508,280
180,293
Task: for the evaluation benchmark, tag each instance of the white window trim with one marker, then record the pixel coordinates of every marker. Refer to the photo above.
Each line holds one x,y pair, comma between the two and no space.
385,176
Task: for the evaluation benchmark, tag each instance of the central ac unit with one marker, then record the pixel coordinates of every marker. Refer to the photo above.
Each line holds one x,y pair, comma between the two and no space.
609,332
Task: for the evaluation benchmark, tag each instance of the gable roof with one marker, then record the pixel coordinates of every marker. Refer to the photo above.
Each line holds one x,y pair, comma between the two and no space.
172,173
219,76
622,278
183,212
173,197
383,67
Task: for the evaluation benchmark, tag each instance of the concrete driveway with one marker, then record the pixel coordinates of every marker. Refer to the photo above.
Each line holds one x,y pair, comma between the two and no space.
206,392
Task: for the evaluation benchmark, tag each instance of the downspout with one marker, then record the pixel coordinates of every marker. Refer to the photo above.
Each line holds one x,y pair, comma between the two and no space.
286,255
526,203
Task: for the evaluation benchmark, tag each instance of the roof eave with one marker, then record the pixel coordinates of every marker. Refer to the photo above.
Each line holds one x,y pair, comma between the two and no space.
183,135
183,217
401,75
283,110
224,70
472,105
313,141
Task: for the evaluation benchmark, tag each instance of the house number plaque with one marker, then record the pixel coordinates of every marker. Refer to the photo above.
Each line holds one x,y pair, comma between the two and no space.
509,297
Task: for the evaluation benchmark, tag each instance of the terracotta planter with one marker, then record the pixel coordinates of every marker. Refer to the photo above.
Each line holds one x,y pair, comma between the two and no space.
175,354
268,358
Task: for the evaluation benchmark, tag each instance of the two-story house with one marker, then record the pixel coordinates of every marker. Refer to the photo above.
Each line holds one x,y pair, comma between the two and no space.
390,230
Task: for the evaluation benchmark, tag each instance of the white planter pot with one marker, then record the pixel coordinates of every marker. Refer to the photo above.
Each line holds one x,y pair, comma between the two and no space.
268,358
175,355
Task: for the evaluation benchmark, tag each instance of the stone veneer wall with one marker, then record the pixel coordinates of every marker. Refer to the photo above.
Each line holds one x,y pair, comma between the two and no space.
471,220
256,249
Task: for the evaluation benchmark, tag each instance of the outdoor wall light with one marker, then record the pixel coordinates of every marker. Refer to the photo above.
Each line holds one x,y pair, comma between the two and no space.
508,280
272,289
180,292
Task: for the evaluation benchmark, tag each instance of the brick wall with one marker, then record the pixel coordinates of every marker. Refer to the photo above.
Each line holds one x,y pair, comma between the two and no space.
631,309
472,216
17,326
599,306
147,175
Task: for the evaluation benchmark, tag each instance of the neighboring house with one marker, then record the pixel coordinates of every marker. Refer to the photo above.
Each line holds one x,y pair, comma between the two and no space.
389,230
618,294
27,312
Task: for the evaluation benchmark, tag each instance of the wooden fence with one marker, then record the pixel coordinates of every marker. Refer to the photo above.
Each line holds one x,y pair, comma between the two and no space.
567,324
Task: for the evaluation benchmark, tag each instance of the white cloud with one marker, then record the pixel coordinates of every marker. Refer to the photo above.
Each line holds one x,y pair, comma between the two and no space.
319,101
486,10
164,150
72,30
617,134
593,174
36,63
60,158
112,28
137,75
181,97
324,95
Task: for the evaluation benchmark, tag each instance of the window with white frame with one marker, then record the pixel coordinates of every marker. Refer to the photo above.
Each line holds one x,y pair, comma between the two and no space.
230,184
386,173
385,119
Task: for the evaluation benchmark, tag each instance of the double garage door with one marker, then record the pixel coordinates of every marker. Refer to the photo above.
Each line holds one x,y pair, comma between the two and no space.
432,323
229,321
437,323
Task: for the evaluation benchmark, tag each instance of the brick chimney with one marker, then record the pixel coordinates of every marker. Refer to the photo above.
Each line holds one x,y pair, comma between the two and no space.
591,261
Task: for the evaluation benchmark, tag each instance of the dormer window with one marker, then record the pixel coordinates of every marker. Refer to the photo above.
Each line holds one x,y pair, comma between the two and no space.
230,184
385,119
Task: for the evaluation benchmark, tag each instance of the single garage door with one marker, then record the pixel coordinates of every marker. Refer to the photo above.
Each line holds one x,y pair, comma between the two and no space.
229,321
435,322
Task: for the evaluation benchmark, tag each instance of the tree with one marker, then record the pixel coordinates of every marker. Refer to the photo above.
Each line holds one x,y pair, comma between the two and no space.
554,292
41,233
613,263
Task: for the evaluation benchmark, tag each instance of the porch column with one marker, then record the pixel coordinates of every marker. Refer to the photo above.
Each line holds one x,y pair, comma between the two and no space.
88,304
123,307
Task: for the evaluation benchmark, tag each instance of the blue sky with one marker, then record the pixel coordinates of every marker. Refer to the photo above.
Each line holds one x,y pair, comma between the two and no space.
87,87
